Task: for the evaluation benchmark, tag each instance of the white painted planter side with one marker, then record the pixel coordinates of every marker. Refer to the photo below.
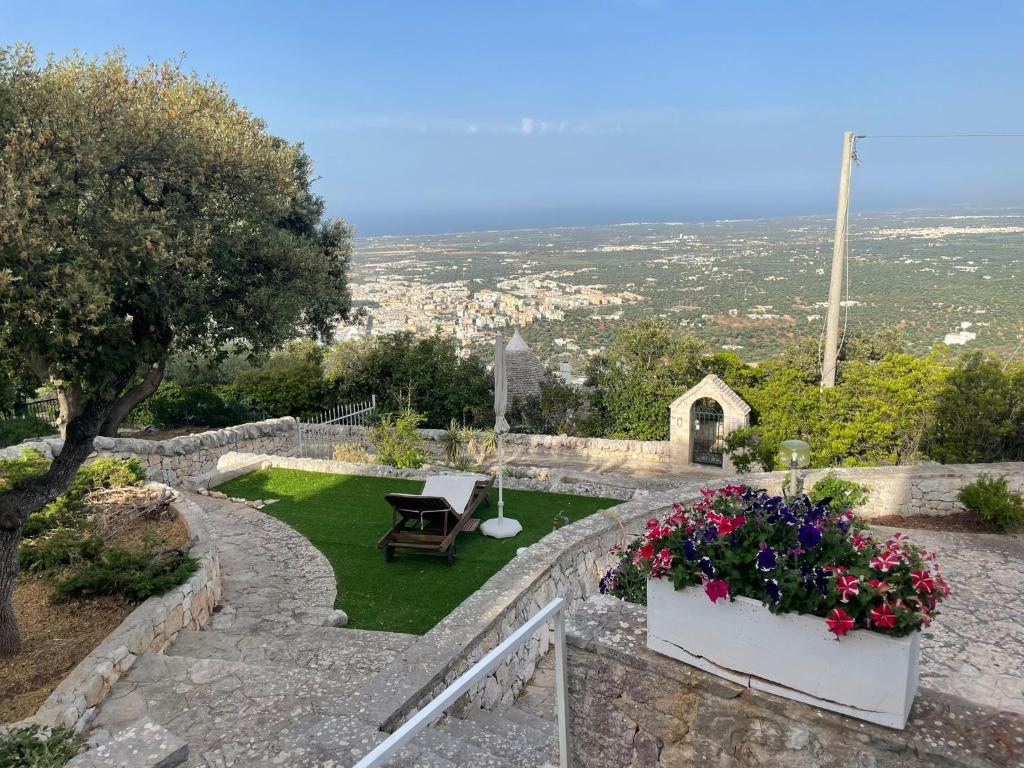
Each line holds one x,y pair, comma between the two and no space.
865,675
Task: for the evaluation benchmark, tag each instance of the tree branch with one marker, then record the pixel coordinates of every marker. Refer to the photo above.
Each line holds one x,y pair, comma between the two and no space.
124,404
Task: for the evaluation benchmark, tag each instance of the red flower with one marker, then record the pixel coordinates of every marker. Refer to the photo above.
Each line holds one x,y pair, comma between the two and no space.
885,561
942,585
717,589
883,617
646,552
922,581
839,622
881,586
859,542
847,586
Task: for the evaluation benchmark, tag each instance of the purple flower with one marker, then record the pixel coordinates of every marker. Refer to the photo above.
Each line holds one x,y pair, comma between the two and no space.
766,560
809,536
771,588
689,550
710,533
707,567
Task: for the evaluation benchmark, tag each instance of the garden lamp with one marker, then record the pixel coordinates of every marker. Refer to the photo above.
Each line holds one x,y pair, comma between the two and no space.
795,454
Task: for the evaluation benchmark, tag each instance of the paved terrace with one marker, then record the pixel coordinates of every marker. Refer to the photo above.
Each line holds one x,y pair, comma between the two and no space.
269,683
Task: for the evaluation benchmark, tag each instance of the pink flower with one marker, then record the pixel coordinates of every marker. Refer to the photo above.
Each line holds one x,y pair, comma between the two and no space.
885,561
883,617
847,586
717,589
839,622
922,581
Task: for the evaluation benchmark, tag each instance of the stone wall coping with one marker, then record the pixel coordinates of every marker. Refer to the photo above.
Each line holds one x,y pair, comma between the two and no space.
175,446
151,626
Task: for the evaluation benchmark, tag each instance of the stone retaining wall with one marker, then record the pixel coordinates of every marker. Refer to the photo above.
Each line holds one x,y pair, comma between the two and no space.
919,489
183,460
629,706
567,563
148,628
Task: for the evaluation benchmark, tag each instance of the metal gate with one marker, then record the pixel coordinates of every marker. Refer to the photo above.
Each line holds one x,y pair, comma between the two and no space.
708,433
318,435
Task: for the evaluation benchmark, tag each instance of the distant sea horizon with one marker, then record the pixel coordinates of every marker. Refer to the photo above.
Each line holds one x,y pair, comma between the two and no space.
950,210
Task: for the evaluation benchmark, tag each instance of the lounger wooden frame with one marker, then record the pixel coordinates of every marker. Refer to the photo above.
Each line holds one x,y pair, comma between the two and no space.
428,523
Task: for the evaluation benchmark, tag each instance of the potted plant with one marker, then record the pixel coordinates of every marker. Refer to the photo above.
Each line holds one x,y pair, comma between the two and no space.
758,589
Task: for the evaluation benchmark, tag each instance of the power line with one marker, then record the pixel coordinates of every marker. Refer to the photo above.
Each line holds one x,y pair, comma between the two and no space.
942,136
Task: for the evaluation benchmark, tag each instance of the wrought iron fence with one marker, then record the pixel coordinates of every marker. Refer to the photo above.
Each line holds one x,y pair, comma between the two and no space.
318,435
46,410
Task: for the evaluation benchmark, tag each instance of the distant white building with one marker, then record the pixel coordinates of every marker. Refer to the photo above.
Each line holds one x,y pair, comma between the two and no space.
960,337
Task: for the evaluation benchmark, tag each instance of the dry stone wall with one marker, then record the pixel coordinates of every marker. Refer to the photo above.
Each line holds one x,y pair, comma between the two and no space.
920,489
149,628
187,459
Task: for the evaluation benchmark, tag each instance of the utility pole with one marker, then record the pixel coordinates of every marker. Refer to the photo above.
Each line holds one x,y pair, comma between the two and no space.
835,291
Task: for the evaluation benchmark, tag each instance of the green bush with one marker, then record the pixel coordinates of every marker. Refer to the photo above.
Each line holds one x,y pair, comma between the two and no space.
291,383
842,494
995,503
173,405
60,548
37,747
133,574
397,441
31,463
13,431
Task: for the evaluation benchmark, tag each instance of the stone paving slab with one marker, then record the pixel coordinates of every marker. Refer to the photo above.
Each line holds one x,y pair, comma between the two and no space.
143,744
975,647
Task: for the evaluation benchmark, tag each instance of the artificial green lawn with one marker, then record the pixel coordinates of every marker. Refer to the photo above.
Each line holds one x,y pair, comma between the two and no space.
345,515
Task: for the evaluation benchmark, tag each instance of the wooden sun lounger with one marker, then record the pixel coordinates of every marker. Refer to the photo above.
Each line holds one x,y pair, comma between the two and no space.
431,523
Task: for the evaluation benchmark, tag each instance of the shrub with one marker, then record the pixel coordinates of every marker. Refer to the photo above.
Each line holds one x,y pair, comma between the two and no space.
133,574
397,441
995,503
840,495
60,548
31,463
36,747
13,431
454,440
203,404
351,452
748,451
290,384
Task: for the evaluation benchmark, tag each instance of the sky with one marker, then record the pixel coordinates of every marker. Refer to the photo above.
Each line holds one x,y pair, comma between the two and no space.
445,116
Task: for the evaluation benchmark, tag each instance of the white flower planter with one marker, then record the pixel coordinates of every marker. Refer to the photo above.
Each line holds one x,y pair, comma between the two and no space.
865,674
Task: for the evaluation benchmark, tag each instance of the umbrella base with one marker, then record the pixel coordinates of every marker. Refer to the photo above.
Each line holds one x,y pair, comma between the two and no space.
500,527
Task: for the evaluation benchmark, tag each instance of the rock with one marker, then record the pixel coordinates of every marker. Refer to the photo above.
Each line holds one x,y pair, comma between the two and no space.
143,744
336,618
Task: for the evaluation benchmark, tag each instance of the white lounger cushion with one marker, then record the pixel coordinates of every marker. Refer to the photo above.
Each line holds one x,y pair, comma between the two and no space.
457,490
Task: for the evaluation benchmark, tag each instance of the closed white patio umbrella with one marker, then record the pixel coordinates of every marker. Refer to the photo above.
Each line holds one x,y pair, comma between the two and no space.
500,527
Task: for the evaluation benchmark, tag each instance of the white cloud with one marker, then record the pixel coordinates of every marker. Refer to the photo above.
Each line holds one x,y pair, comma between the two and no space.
527,125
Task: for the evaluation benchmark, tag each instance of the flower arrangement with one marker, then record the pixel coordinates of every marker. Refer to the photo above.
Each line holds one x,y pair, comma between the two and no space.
794,555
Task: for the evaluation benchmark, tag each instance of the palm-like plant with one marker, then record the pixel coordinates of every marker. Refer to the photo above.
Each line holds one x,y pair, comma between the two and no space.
453,440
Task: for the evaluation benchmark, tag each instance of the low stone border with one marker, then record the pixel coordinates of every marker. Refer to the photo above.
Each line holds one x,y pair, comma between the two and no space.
148,628
234,464
918,489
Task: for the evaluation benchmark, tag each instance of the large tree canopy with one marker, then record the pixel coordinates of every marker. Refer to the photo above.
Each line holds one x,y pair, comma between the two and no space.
142,209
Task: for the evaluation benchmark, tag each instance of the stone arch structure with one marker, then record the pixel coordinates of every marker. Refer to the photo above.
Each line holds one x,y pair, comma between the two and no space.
689,408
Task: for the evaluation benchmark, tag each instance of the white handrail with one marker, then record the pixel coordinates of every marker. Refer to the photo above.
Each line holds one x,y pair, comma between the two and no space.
436,708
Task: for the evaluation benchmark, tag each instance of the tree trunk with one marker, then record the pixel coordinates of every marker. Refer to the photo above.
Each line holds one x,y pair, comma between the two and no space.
10,637
131,398
31,495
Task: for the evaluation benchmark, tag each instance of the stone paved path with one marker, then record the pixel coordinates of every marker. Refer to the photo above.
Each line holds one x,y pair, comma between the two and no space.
975,648
269,685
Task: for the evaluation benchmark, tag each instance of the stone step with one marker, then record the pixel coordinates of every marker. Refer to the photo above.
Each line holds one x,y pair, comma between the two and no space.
352,652
517,752
230,707
510,723
436,746
143,744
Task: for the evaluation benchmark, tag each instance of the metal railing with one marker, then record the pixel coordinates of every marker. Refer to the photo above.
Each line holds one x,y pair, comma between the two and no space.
436,708
47,410
319,434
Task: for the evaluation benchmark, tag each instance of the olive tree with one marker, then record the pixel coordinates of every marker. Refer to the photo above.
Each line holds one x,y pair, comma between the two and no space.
142,210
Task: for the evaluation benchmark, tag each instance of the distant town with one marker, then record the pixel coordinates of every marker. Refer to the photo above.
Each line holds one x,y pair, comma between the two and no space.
745,286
